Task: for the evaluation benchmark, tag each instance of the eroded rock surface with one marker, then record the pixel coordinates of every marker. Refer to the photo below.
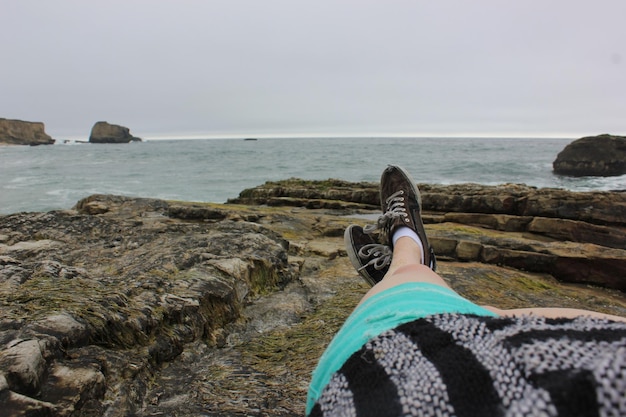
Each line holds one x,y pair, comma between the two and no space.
128,306
79,289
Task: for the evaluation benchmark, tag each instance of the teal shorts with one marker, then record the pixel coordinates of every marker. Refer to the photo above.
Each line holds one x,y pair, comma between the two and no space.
379,313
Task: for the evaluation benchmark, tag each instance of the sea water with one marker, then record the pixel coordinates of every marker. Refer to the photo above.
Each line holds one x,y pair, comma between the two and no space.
53,177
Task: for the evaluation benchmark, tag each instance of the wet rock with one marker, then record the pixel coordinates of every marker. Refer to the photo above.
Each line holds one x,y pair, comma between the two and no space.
600,156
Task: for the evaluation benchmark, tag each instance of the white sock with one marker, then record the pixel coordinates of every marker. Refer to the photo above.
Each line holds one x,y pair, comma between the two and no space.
404,231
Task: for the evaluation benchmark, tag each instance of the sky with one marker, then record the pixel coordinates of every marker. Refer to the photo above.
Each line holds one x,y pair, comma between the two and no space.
281,68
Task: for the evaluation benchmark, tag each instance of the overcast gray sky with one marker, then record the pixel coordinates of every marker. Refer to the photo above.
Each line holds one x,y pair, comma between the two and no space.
320,67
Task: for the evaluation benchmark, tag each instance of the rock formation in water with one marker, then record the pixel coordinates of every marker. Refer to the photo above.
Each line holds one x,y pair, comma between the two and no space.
132,306
599,156
19,132
103,132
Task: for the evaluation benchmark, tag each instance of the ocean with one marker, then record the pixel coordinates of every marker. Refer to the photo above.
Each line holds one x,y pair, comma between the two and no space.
55,177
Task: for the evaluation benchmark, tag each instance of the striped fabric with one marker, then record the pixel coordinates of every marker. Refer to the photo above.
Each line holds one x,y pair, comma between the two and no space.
462,365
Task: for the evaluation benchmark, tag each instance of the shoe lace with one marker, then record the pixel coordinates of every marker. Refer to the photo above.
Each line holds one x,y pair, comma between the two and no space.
395,208
379,255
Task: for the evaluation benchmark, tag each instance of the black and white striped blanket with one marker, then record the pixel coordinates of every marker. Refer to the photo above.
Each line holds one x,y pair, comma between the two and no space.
459,365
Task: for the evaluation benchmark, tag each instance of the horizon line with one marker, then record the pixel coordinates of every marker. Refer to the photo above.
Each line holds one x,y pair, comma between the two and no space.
202,136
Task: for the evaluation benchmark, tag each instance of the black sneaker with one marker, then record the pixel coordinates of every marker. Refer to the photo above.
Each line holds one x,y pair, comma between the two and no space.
402,206
369,258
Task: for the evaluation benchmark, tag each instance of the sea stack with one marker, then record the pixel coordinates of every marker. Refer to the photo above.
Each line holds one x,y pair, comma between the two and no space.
598,156
103,132
19,132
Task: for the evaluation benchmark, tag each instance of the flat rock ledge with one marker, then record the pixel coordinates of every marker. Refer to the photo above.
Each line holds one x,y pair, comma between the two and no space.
130,306
576,237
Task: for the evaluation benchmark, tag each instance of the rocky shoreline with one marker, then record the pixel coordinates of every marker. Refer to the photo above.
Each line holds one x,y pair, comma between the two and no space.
576,237
129,306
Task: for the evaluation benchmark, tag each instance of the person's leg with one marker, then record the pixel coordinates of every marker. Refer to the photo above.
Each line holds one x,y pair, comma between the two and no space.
406,266
403,290
405,255
399,261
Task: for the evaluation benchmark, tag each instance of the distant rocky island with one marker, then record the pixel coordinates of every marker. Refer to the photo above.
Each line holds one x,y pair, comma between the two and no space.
601,155
19,132
104,132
